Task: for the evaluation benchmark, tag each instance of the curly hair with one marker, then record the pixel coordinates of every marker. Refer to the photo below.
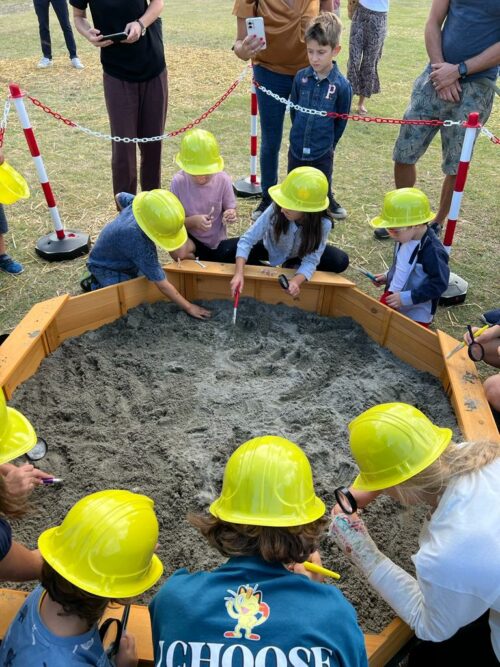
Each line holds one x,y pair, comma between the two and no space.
285,545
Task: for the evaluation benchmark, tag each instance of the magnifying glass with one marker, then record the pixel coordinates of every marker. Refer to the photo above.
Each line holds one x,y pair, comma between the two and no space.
345,500
283,281
38,451
474,349
111,632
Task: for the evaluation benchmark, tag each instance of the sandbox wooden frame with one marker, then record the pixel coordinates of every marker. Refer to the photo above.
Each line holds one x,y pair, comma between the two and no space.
51,322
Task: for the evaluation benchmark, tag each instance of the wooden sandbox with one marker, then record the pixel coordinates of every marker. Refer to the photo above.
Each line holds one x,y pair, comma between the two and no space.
51,322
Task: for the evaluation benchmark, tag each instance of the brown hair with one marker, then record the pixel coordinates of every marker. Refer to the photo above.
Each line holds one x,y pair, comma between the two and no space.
13,507
285,545
325,29
455,461
73,600
311,227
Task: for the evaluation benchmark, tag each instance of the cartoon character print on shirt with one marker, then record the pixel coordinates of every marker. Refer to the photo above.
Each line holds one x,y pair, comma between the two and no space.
247,608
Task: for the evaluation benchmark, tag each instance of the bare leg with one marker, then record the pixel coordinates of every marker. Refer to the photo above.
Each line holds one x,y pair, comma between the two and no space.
405,175
2,245
492,390
445,201
361,105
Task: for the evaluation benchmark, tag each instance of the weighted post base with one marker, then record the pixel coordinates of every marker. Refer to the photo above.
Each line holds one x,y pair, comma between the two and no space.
244,188
73,245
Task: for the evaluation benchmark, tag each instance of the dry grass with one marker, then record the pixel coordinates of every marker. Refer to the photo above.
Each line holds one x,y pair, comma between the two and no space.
201,67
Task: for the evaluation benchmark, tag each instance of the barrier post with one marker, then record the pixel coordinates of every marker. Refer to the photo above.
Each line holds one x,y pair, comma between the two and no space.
250,187
60,244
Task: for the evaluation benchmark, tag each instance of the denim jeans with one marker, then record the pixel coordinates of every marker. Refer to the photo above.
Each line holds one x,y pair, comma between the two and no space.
3,221
272,116
61,10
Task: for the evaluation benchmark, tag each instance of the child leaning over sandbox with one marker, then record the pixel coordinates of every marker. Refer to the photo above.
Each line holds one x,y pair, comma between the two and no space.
206,193
126,246
261,606
102,551
419,273
292,232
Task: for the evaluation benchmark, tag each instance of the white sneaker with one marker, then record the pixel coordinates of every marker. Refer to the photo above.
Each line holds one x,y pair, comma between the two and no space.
77,63
44,63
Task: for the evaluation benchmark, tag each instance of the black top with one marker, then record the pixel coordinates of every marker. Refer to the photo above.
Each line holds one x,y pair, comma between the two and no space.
140,61
5,538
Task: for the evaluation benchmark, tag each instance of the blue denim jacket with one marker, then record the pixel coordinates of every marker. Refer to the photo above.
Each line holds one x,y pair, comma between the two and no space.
288,245
313,136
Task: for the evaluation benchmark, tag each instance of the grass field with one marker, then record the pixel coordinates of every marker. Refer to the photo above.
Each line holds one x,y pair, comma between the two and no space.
198,38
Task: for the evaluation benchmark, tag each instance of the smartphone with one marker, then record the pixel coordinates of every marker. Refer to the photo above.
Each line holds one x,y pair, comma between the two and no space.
255,26
116,36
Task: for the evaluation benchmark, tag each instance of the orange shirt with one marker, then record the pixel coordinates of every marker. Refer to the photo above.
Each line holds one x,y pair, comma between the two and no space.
285,26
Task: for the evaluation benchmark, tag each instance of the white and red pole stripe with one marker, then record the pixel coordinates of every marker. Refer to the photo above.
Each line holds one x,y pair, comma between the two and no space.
472,126
254,110
17,96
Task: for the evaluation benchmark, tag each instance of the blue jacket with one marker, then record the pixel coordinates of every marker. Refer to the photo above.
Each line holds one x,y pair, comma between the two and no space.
288,245
313,136
428,277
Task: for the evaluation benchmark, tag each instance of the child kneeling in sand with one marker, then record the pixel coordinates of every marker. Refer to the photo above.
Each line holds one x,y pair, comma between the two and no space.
262,601
103,550
419,273
206,193
126,246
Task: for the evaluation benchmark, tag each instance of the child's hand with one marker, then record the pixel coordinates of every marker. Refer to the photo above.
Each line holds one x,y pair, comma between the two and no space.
394,300
20,481
127,653
198,312
380,279
298,568
237,283
202,223
229,216
293,287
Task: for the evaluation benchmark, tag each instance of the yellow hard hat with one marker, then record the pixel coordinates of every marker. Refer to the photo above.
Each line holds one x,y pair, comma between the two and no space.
199,154
304,189
17,435
105,544
161,216
268,482
403,208
392,442
12,185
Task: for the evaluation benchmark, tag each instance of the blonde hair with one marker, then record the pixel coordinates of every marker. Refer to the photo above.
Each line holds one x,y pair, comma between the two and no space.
324,29
456,460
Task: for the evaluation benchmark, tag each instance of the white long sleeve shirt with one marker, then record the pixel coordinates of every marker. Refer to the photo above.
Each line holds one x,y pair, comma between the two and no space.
457,565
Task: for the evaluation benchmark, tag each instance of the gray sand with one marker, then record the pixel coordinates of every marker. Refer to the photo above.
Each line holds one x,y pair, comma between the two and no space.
156,402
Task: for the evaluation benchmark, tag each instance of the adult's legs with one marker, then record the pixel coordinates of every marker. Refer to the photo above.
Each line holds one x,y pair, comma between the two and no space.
333,259
42,13
61,10
153,102
374,34
272,115
122,103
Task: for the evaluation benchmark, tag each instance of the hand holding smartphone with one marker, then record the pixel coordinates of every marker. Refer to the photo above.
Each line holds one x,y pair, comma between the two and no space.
255,28
115,37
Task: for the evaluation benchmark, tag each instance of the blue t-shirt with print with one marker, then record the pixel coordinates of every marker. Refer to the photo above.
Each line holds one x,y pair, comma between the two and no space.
5,538
28,643
123,251
251,613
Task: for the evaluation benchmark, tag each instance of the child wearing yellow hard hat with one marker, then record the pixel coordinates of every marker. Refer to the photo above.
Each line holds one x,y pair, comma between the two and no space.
12,187
292,232
419,273
453,602
17,437
126,247
102,551
206,192
262,605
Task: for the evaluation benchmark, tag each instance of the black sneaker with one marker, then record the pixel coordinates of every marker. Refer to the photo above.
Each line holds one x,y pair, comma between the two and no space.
257,212
381,233
336,210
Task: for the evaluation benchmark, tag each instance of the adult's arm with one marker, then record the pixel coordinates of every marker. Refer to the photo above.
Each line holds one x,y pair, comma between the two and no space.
134,28
88,31
446,74
433,26
326,6
20,564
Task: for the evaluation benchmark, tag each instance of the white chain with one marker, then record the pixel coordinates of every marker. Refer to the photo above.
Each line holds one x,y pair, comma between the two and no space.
487,133
6,110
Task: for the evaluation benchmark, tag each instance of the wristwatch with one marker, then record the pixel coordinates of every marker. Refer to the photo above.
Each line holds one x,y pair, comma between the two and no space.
143,27
462,70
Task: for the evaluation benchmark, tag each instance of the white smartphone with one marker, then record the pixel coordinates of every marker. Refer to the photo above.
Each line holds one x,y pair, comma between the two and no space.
255,27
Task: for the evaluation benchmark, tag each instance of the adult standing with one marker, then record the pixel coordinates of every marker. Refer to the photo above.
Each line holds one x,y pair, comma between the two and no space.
135,82
453,603
61,9
462,38
275,66
366,41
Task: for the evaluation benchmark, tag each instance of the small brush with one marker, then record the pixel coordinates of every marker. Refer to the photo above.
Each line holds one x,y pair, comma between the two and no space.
235,306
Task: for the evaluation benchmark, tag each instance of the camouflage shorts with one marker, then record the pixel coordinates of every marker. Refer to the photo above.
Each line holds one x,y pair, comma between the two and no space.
414,140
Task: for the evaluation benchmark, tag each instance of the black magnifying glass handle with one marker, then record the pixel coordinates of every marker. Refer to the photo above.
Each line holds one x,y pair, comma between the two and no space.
283,281
345,500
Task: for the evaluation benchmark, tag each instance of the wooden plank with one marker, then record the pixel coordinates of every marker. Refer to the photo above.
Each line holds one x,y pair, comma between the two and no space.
390,641
467,394
89,311
27,345
364,309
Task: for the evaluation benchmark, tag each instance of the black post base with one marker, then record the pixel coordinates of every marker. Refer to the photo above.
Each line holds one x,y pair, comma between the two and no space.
243,188
73,245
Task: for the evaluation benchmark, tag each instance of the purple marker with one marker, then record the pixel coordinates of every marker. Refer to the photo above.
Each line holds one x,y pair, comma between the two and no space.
52,480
